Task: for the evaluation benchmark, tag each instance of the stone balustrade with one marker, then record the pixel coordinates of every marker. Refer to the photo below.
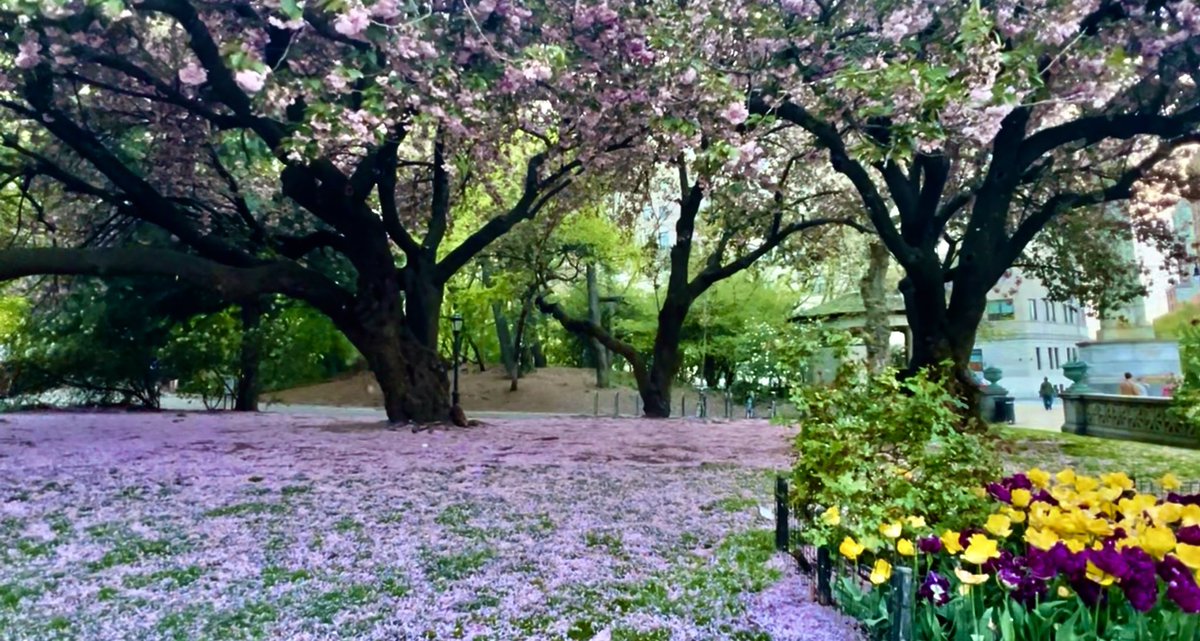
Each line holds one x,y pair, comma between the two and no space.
1148,419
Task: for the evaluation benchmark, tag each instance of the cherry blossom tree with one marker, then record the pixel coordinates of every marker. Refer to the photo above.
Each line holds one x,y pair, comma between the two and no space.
314,151
967,129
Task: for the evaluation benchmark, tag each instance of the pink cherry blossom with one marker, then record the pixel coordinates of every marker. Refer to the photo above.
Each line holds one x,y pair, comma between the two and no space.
251,81
193,74
353,22
736,113
28,53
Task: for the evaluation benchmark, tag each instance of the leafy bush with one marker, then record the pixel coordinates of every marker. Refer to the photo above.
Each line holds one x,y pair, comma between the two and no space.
1066,556
1187,396
873,449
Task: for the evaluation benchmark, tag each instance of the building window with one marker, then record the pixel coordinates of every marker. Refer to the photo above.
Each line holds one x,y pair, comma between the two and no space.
1037,353
664,239
1053,312
1057,359
1001,310
1032,309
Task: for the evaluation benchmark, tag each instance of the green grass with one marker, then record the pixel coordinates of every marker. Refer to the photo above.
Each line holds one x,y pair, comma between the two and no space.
1026,448
242,509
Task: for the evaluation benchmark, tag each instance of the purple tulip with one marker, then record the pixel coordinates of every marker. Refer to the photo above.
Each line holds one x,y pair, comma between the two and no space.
935,588
1044,497
999,492
1009,578
1109,560
1031,591
1189,534
1003,562
1183,499
1042,564
930,545
1018,481
1139,583
1182,589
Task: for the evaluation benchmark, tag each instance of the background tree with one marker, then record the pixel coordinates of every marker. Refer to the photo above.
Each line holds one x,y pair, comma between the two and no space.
752,207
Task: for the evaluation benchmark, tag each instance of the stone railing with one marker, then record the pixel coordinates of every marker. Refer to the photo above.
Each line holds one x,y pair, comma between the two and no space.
1133,418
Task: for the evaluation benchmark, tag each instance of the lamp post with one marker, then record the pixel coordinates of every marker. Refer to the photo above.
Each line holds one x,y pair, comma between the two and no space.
456,324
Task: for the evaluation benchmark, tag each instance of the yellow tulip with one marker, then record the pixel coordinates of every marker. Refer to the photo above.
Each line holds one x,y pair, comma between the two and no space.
980,549
1039,478
916,522
1064,592
1086,483
1170,482
891,530
906,548
832,516
1074,545
1110,493
1066,477
1096,575
881,572
1016,516
999,525
1099,527
851,549
1190,515
1166,513
1021,498
1157,541
979,492
968,578
950,542
1041,539
1189,555
1117,479
1134,507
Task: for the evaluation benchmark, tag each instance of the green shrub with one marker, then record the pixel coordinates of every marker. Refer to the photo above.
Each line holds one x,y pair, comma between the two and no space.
880,449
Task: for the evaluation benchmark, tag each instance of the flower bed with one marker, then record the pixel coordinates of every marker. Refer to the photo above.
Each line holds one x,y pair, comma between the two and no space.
1061,556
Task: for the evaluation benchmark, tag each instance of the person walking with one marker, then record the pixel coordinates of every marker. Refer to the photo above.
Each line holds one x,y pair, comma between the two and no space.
1046,391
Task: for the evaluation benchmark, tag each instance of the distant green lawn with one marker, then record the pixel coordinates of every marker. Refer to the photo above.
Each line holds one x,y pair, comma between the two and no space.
1026,448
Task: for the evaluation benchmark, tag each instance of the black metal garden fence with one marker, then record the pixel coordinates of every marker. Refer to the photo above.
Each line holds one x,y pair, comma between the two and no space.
690,405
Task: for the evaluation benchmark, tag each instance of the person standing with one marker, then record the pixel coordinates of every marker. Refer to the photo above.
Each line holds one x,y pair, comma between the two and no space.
1046,391
1128,387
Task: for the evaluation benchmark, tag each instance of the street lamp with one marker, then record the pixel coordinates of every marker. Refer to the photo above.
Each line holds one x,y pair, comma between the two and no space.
456,324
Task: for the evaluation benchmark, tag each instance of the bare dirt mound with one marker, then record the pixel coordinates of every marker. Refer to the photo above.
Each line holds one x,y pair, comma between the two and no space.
552,389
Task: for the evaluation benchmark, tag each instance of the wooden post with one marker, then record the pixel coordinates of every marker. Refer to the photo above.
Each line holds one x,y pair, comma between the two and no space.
901,606
824,574
596,405
617,405
637,405
781,514
683,406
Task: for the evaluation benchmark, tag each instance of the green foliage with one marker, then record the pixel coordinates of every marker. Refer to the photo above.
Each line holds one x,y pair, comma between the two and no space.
100,341
1172,325
1187,397
881,449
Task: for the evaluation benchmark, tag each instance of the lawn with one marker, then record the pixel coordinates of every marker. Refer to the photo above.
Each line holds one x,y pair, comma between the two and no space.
163,526
1025,448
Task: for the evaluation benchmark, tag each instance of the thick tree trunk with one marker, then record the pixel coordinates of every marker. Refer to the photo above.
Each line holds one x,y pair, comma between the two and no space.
873,288
942,337
600,356
664,363
423,296
411,376
249,384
